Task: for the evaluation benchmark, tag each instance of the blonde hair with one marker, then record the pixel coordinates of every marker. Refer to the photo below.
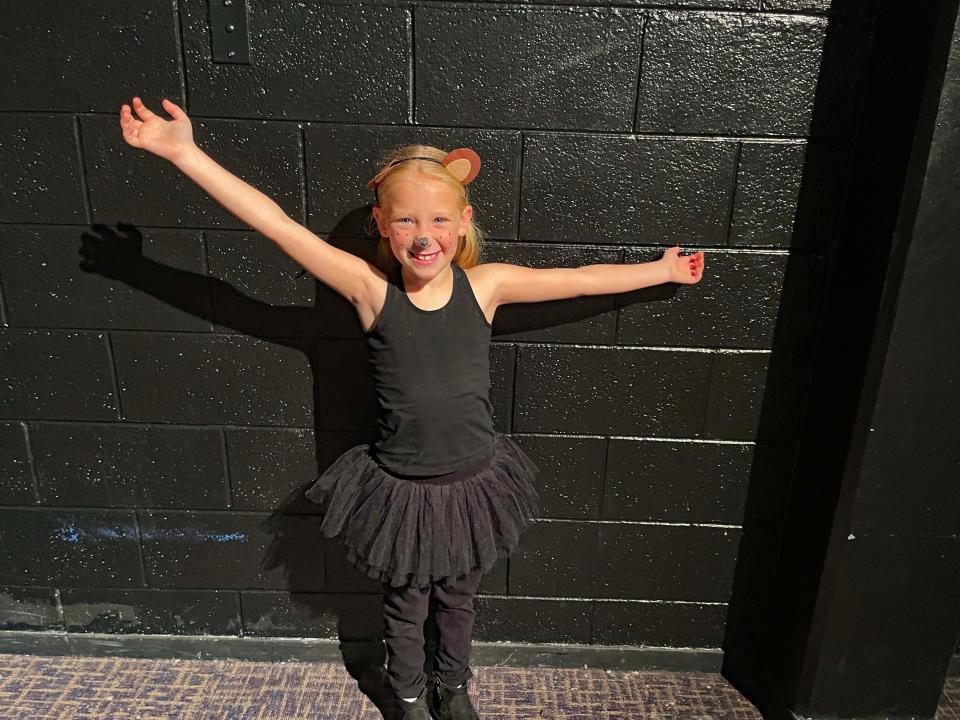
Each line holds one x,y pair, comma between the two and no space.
469,246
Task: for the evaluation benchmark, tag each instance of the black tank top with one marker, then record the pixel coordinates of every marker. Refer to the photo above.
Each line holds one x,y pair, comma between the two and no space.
431,373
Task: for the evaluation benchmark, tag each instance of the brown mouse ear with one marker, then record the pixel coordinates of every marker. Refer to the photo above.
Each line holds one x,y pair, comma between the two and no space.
378,177
464,163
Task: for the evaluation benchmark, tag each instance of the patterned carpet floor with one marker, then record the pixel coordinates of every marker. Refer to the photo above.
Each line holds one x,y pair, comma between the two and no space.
60,687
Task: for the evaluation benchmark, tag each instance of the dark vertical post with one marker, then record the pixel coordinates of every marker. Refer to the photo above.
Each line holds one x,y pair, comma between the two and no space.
888,615
864,615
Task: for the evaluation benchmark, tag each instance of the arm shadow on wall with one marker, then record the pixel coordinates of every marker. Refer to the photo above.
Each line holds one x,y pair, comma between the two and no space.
790,476
319,593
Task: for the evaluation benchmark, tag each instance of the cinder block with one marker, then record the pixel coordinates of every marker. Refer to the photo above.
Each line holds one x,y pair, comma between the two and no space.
39,376
730,73
532,620
618,391
769,176
270,468
527,67
211,379
112,465
571,474
658,624
670,481
666,562
68,59
557,558
626,190
46,186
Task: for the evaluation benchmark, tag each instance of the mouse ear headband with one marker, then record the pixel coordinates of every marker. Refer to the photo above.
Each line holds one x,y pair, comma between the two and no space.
463,163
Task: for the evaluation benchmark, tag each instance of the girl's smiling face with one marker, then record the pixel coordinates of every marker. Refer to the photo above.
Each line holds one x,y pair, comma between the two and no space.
420,208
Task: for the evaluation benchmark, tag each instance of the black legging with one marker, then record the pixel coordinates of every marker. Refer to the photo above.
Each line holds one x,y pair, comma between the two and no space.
405,611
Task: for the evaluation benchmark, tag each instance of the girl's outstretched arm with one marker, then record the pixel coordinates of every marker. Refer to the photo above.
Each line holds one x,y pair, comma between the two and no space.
173,140
519,284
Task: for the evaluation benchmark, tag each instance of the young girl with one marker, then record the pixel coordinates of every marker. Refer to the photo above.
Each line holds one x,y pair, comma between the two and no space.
431,505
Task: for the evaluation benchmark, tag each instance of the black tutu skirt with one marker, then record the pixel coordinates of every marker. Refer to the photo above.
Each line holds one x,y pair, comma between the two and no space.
402,531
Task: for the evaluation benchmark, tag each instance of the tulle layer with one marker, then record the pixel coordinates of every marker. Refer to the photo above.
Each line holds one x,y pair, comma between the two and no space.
401,531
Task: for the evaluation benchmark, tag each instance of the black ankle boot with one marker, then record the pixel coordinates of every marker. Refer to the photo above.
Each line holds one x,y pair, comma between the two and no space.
452,703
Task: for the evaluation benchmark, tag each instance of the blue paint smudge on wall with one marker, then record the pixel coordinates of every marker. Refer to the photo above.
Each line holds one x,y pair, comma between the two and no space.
72,534
192,535
67,534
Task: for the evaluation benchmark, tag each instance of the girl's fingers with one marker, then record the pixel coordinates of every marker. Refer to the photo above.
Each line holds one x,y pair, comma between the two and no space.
173,109
126,119
129,126
141,109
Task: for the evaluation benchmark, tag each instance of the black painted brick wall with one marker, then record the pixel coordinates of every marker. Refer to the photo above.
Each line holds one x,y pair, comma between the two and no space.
161,415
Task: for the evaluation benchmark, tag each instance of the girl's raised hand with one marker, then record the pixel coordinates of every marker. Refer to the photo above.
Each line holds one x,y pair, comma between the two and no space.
169,139
686,269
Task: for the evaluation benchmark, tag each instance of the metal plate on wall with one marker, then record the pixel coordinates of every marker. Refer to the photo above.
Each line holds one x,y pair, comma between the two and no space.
228,31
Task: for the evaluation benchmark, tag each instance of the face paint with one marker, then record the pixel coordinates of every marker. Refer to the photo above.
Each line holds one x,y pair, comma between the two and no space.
423,225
